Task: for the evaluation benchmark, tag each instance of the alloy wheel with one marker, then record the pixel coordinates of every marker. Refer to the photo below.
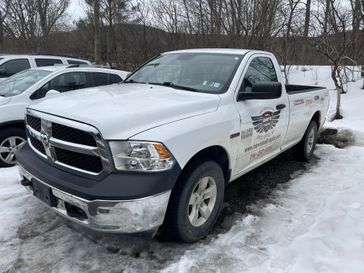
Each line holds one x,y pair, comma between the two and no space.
202,201
9,147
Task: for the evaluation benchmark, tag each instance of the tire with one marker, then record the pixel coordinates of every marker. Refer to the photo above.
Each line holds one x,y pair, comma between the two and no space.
186,201
303,151
11,139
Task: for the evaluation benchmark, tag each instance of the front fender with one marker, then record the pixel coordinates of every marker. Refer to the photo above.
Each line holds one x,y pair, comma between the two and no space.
185,138
12,112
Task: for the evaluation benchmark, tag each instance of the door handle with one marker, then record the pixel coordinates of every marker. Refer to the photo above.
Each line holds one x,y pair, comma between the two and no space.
280,106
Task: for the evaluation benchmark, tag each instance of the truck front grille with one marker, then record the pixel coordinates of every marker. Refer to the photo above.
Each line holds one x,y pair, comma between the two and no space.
81,161
71,144
37,145
74,135
33,122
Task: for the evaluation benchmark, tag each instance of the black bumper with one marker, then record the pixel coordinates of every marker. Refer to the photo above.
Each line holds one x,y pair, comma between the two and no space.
113,186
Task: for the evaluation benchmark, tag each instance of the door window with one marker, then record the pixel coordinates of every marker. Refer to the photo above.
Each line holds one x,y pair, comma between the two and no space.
68,81
104,78
12,67
99,79
47,62
76,62
114,78
261,69
62,83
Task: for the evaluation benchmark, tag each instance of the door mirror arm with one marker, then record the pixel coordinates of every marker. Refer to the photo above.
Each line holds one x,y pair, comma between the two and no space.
52,92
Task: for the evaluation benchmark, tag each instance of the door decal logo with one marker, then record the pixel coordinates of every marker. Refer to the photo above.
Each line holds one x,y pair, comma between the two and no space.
267,120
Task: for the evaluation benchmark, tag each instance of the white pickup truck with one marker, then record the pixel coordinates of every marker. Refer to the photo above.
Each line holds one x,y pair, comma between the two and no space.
157,151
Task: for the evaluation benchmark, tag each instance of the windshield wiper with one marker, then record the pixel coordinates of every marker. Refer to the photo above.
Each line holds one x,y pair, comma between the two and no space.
176,86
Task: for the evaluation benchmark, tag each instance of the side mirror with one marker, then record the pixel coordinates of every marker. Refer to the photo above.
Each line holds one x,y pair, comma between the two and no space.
262,91
52,92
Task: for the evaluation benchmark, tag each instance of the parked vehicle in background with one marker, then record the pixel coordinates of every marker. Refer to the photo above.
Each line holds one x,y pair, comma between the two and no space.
11,64
32,85
161,147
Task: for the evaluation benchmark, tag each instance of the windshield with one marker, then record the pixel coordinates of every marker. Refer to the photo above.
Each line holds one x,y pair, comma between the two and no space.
18,83
202,72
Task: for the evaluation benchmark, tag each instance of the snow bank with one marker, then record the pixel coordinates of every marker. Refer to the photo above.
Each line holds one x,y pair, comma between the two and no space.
316,225
353,112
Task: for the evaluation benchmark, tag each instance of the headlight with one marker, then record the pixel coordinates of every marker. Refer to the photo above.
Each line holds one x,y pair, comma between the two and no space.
141,156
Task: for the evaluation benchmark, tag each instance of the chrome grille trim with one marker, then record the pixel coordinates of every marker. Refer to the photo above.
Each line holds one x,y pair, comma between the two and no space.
70,146
50,143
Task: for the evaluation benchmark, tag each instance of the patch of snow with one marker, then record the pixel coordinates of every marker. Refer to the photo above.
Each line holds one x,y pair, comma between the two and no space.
352,110
317,225
12,195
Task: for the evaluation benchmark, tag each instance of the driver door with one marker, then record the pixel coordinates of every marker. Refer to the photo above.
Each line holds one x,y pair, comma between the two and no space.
263,121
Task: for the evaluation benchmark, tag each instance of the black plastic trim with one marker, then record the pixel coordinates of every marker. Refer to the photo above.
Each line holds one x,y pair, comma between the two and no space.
114,186
16,122
296,89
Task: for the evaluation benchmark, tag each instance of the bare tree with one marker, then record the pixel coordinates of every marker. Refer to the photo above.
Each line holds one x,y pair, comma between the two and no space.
333,43
306,30
288,49
49,12
4,10
113,12
22,22
31,21
97,38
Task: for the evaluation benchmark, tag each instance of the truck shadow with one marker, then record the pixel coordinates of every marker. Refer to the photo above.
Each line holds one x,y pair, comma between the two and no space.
256,186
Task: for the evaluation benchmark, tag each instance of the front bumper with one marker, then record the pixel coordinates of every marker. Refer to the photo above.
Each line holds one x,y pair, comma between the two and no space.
116,216
118,202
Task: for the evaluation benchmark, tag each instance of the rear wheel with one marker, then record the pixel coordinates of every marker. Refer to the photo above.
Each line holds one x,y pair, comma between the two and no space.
303,151
195,203
11,139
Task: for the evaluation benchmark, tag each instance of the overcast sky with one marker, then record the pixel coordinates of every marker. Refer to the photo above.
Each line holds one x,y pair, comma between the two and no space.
76,9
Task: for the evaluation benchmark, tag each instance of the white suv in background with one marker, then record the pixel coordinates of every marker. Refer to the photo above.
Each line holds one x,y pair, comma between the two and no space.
32,85
12,64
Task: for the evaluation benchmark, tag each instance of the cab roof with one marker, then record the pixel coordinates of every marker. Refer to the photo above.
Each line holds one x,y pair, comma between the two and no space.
212,50
4,55
55,68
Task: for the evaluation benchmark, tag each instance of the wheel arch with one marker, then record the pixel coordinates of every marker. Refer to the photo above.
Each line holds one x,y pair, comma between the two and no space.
12,124
215,153
317,118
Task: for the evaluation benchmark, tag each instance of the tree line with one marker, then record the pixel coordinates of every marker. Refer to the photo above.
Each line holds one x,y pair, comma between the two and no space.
125,33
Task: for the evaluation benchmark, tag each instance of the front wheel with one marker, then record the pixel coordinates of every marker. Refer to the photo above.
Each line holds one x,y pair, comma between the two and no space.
303,151
11,139
195,203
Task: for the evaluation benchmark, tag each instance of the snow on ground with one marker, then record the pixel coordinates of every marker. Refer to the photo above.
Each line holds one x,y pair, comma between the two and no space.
314,223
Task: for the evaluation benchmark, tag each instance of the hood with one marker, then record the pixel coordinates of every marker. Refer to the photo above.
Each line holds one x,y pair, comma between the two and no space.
4,100
123,110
